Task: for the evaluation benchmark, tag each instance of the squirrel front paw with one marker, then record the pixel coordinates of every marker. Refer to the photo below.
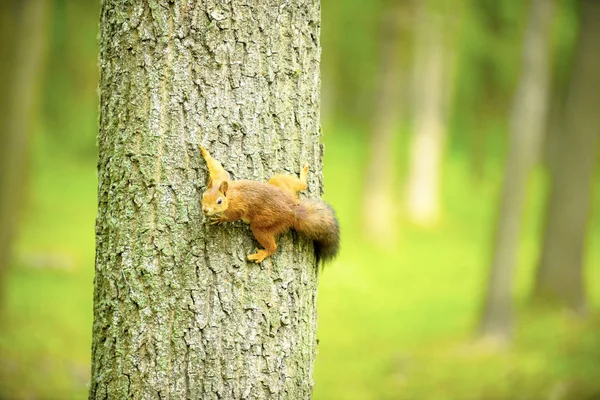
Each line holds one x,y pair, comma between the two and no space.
217,220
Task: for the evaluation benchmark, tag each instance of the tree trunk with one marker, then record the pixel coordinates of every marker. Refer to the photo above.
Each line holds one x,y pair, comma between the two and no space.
432,86
22,24
379,208
178,312
560,272
526,131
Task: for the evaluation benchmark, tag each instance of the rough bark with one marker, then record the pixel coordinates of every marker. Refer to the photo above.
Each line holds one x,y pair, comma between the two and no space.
178,311
22,24
432,93
525,134
379,208
560,271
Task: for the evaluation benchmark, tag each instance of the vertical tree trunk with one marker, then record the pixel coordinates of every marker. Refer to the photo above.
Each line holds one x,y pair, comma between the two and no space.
22,25
550,148
379,208
178,312
526,131
432,84
560,272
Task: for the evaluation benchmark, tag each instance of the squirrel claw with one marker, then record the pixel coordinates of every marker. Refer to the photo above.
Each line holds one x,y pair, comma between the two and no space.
217,220
253,257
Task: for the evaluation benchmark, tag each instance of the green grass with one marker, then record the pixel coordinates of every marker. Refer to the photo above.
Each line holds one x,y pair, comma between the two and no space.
46,316
398,323
394,323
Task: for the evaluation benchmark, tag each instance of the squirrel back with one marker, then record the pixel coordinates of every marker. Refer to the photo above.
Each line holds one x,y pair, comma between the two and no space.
266,205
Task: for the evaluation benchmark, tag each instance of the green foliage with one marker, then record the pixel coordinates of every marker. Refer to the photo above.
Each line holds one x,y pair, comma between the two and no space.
69,101
350,38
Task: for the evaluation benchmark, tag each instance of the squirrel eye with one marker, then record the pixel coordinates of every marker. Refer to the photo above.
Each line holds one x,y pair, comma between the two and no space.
219,200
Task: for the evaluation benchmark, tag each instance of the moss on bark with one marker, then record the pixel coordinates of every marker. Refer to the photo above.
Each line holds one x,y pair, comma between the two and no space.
178,312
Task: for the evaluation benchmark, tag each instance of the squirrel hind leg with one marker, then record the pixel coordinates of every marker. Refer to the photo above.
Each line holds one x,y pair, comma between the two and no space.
267,240
259,256
290,183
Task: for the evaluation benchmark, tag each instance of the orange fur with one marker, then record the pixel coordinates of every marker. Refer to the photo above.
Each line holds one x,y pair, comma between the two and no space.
272,209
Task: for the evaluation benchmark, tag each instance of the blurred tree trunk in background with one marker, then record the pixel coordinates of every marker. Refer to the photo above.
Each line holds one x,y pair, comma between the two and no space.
433,73
562,76
178,312
22,24
380,201
552,142
560,272
525,134
562,63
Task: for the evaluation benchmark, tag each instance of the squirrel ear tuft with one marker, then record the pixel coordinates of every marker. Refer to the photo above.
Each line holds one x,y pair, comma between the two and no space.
223,188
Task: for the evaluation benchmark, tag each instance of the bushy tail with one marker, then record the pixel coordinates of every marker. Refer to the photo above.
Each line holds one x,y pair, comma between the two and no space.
317,221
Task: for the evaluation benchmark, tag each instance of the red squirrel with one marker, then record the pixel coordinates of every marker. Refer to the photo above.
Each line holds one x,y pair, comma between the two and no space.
271,209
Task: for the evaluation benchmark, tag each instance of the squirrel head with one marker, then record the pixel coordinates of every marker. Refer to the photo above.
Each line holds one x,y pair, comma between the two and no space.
214,200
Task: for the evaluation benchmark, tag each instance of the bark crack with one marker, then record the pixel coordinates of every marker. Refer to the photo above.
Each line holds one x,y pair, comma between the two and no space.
195,319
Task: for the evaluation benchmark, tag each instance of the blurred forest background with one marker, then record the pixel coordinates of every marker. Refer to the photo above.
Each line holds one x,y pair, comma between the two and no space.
462,159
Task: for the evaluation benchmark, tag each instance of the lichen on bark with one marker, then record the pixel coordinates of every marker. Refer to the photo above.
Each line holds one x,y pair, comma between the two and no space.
178,311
